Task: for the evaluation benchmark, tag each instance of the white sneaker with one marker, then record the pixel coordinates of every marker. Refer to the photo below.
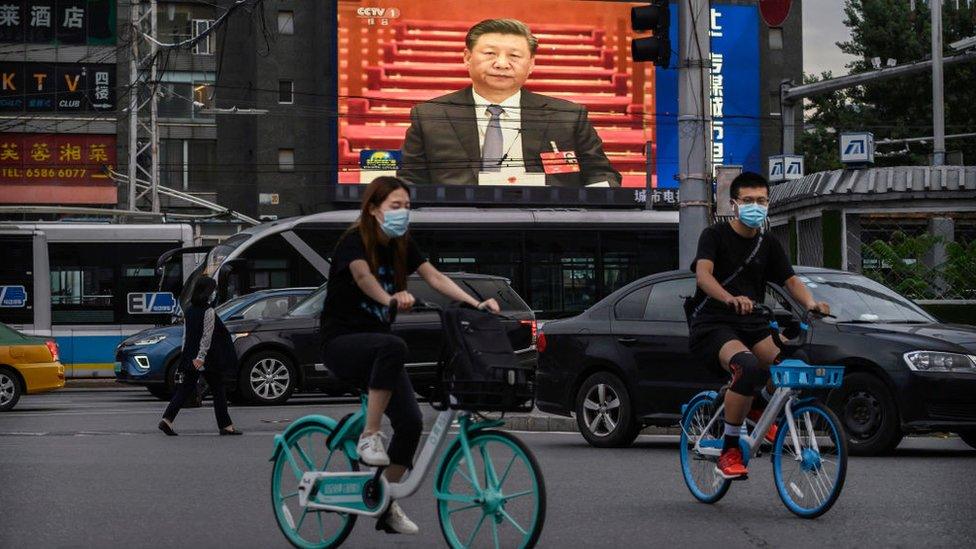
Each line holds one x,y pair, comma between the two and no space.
371,450
395,521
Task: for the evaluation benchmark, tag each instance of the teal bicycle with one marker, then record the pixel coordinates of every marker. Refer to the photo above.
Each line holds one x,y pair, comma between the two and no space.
488,486
809,453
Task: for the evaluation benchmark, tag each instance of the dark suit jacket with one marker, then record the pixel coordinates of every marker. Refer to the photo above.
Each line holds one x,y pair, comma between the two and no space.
442,145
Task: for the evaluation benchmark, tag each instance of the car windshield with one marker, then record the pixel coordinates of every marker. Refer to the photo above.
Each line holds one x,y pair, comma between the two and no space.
311,305
854,298
224,308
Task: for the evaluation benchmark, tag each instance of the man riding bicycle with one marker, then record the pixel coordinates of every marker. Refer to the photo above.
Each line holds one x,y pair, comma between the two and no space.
734,262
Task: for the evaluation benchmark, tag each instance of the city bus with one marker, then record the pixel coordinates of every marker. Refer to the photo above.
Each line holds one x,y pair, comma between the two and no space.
559,260
72,281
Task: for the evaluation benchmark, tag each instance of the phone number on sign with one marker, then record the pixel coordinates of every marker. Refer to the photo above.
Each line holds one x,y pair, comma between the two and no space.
58,172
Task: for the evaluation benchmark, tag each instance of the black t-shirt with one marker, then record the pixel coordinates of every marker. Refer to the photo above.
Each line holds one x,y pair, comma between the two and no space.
728,250
347,309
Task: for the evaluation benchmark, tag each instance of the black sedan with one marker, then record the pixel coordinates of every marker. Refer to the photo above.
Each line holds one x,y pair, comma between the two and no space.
624,363
280,356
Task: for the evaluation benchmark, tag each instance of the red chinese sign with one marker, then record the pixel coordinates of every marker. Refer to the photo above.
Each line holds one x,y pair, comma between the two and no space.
50,168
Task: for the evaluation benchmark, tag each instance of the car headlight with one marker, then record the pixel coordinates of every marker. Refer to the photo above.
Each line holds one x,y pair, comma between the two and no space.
238,335
938,361
151,340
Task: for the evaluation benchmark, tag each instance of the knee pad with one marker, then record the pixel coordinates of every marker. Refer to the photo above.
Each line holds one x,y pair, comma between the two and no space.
747,376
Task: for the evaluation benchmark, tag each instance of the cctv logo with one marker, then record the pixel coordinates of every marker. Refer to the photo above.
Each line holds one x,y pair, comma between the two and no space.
389,13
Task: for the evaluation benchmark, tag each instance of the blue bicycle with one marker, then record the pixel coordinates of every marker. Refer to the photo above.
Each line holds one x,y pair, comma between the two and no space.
809,453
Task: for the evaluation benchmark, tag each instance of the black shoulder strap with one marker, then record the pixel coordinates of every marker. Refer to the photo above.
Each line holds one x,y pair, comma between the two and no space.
752,255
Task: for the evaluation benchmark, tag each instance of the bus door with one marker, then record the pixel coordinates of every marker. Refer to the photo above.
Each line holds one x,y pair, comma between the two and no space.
25,296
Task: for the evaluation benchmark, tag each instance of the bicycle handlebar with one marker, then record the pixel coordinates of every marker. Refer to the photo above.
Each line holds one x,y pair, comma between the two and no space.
790,346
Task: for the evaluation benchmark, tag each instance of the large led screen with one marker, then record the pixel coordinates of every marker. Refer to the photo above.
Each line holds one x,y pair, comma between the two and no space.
586,115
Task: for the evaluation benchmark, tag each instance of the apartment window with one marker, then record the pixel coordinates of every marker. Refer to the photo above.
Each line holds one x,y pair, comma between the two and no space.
286,160
186,100
286,22
204,46
286,92
188,164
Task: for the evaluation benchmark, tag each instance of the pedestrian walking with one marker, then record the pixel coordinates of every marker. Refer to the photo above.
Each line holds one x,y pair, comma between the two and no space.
207,351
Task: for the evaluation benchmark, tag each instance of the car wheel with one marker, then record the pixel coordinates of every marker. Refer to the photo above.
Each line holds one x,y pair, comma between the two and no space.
867,409
267,378
604,413
969,437
10,389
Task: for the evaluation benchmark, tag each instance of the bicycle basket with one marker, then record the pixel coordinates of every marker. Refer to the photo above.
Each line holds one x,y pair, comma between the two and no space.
800,375
479,370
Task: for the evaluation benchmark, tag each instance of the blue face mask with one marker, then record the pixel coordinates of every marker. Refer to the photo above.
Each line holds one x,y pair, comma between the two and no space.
395,222
752,215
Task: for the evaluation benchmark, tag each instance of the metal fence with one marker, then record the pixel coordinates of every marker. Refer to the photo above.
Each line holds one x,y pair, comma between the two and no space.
926,256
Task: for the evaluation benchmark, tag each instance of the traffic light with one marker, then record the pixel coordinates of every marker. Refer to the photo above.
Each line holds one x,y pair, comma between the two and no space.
655,17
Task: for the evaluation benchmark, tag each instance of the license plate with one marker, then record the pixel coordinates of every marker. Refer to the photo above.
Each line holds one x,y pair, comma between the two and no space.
118,367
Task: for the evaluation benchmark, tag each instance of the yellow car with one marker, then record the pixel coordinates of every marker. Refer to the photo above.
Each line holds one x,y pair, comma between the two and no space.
27,365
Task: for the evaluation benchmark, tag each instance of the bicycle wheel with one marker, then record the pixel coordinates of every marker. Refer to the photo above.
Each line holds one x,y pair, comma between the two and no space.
809,479
306,451
497,501
698,469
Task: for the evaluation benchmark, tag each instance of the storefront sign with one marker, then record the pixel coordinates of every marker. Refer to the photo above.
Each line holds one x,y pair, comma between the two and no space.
60,87
90,22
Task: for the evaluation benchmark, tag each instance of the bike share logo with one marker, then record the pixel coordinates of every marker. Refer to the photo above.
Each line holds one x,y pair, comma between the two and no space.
150,303
13,297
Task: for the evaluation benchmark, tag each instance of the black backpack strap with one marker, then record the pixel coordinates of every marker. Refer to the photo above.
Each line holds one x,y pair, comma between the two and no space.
752,255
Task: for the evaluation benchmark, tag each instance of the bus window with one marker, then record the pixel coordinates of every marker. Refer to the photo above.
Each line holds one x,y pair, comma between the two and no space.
83,283
274,263
90,282
563,271
484,252
17,269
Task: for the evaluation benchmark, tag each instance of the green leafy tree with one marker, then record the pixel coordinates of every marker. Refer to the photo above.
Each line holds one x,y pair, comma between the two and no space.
899,107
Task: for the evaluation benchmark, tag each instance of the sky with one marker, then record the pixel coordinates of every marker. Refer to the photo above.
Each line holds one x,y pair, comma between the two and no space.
823,27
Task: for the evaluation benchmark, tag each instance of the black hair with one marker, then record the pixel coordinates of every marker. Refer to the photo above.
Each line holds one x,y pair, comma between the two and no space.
202,290
748,180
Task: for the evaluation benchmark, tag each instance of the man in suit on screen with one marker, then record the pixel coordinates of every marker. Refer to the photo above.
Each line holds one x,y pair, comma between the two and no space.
494,132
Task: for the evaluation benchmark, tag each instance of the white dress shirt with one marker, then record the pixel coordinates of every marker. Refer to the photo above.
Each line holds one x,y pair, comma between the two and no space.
510,121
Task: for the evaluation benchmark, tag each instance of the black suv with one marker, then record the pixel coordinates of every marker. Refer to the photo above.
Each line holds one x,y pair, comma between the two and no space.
624,362
282,355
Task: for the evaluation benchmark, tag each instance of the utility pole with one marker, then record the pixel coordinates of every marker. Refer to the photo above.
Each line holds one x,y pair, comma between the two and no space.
694,123
143,101
938,101
791,96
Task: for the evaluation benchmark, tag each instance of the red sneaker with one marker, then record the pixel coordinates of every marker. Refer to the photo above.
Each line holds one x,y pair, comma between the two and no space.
730,465
770,437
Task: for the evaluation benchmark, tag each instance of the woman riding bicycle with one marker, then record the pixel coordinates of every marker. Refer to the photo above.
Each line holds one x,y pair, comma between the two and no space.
370,266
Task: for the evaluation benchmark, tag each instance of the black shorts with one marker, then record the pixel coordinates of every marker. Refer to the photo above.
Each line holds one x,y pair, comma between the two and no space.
707,339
